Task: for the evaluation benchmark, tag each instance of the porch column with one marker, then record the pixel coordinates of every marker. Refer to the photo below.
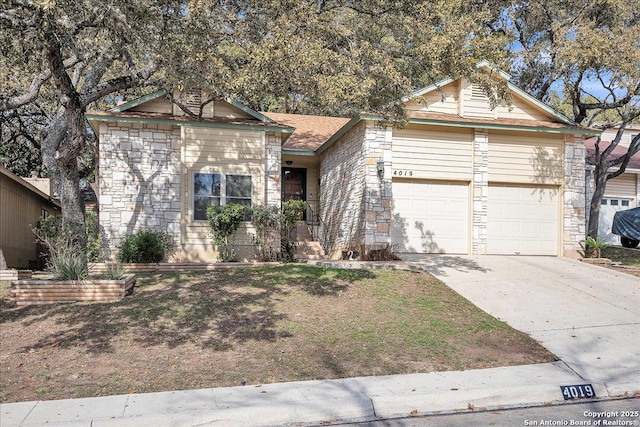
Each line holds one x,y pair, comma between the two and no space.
573,211
273,175
378,160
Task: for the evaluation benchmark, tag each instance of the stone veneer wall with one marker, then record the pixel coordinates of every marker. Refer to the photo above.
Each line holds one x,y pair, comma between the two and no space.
573,212
139,181
377,224
273,168
342,186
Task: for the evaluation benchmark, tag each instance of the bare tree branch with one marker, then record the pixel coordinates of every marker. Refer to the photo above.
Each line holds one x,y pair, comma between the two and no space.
34,89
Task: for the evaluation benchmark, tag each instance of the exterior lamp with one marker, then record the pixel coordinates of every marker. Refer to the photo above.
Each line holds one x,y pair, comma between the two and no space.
380,167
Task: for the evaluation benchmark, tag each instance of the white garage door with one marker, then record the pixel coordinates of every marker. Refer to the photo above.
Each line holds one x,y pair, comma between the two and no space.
430,217
522,220
608,208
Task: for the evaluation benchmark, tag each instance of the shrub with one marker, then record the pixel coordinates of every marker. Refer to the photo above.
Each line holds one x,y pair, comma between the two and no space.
224,222
594,246
292,212
145,246
266,220
115,271
68,264
93,236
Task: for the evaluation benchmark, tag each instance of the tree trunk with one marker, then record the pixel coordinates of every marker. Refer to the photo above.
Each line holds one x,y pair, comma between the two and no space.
600,180
65,178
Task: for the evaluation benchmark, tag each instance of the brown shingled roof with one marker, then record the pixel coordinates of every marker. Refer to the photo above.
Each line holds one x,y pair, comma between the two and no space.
619,151
311,131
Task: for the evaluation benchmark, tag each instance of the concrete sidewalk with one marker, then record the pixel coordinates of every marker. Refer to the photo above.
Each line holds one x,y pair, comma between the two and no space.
586,315
309,402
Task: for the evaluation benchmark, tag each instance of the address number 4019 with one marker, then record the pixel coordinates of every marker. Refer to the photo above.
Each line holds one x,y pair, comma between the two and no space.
402,173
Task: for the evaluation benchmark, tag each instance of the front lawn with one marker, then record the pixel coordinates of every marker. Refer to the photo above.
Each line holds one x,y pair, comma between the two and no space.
625,256
250,326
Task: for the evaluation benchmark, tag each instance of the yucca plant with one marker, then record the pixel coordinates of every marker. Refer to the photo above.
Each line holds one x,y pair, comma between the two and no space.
594,246
69,264
115,271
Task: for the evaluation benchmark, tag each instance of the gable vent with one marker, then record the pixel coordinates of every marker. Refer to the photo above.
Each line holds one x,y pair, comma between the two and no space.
477,93
193,98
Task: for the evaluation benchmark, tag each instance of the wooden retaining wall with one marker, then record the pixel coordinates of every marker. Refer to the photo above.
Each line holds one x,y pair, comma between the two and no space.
15,274
101,268
32,292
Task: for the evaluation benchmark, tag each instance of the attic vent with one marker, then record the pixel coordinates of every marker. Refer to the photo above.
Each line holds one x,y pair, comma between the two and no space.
193,98
477,92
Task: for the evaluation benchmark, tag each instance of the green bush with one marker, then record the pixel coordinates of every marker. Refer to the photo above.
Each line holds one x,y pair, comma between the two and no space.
266,220
292,212
93,236
224,222
145,246
115,271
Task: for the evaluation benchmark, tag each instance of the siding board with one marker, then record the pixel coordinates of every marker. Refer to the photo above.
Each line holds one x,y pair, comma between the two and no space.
432,153
223,151
521,158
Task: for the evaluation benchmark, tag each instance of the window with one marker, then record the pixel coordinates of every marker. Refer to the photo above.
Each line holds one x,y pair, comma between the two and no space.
214,189
603,202
624,202
614,202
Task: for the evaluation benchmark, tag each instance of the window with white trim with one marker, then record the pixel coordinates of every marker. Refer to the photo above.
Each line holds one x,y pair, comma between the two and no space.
215,189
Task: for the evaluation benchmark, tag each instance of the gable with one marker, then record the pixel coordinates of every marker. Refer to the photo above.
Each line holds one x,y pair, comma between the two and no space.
465,99
193,99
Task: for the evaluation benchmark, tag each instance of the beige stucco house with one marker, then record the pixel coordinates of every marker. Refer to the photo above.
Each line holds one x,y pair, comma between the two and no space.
462,176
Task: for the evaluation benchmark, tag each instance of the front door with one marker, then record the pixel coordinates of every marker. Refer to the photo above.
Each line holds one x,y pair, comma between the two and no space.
294,184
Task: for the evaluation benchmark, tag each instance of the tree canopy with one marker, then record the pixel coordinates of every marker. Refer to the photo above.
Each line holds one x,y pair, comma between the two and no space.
583,57
62,57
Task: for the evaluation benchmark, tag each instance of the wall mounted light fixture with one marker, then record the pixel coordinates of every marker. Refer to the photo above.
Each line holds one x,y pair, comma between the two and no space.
380,167
289,162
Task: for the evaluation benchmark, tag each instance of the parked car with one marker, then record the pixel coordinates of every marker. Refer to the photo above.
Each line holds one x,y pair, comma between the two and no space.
626,224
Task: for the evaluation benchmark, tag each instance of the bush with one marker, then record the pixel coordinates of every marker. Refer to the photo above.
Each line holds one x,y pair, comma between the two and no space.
68,264
93,236
224,222
145,246
266,220
115,271
292,212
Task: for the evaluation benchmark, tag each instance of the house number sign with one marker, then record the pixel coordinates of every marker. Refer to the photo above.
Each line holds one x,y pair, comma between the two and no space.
582,391
402,173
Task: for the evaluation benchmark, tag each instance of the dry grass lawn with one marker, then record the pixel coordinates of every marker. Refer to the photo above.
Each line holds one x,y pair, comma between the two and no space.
250,326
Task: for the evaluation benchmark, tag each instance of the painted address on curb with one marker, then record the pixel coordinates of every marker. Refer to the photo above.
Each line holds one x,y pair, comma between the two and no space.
580,391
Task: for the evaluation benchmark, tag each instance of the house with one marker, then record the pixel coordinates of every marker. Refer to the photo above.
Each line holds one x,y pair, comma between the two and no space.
21,207
463,176
622,192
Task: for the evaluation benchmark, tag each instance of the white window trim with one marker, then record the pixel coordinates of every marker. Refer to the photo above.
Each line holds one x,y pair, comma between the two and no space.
223,189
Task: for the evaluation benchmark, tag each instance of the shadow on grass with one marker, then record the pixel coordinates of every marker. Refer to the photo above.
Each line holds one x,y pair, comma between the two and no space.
216,309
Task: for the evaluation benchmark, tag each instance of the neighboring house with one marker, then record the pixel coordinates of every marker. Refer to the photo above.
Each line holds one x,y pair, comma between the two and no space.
21,207
623,191
462,177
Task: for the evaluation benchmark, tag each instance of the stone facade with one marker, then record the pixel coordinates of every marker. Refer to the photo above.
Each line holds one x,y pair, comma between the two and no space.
139,181
377,155
342,189
273,155
573,212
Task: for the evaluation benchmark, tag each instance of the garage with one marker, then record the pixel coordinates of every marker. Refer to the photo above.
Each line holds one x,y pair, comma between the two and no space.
522,220
430,217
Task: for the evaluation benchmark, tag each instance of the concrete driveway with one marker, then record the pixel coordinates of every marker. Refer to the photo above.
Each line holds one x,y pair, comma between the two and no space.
586,315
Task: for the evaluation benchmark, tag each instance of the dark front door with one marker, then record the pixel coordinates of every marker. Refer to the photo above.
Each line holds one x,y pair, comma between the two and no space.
294,184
